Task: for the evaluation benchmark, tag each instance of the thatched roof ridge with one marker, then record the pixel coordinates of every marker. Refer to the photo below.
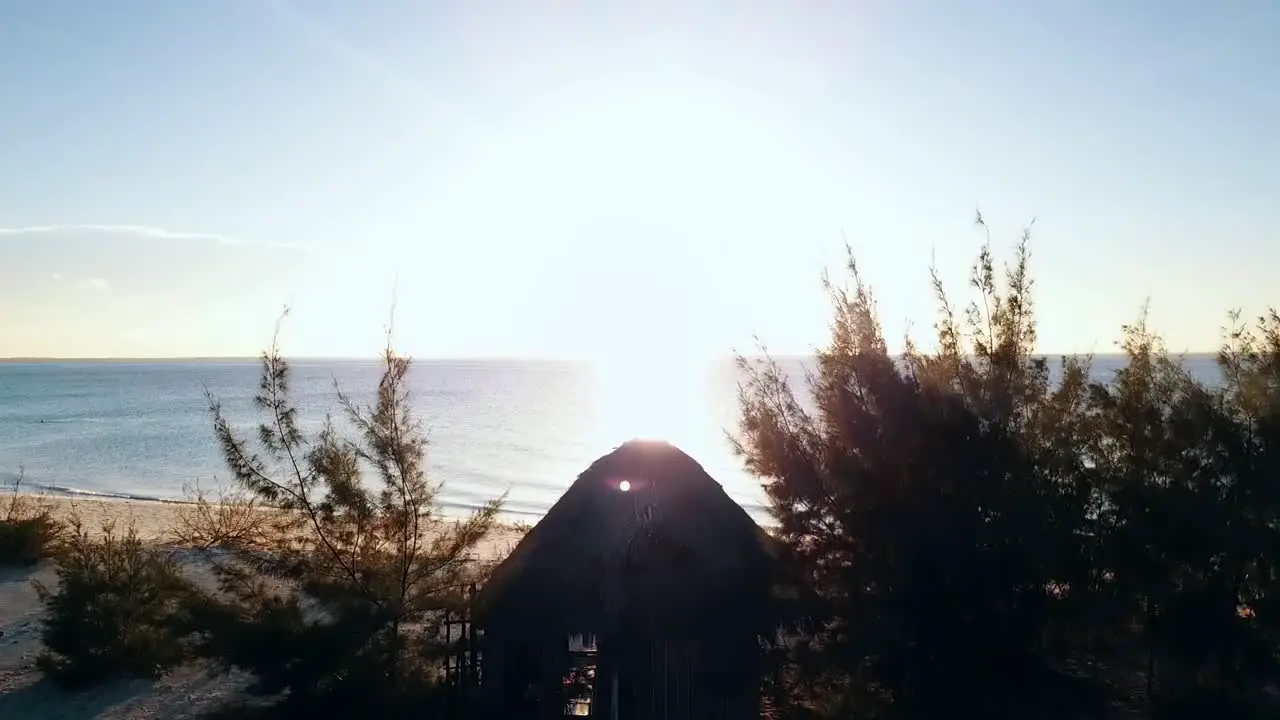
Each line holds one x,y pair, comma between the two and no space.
672,516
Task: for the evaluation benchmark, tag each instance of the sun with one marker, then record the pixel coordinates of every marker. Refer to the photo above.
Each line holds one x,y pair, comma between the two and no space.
650,396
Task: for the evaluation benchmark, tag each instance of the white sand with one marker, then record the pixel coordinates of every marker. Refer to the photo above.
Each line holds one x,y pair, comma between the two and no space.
185,693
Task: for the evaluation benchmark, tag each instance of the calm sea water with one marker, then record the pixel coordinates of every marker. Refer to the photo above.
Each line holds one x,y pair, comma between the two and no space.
142,429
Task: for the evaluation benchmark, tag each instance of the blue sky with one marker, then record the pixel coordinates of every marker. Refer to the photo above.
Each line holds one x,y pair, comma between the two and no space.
597,177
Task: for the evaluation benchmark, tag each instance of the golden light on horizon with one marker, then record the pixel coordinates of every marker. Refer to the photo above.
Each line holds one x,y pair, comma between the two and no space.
648,396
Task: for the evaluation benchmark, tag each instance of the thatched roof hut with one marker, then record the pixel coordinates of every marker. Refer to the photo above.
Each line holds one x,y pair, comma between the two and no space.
646,555
643,532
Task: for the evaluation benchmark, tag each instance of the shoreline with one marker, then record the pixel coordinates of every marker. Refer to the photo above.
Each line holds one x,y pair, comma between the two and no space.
155,519
59,493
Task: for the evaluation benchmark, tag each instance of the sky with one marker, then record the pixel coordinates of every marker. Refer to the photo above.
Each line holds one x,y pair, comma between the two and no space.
576,179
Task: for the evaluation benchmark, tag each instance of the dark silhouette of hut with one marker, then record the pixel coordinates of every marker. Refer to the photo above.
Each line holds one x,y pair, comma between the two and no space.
643,592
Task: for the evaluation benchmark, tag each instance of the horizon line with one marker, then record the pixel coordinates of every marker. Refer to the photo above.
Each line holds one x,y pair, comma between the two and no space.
461,358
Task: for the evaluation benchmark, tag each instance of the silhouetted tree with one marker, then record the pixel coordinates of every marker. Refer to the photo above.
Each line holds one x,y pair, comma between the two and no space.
933,500
985,535
1190,472
338,599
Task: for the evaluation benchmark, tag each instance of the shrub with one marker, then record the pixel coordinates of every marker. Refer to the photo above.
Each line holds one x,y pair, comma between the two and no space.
28,540
28,529
117,608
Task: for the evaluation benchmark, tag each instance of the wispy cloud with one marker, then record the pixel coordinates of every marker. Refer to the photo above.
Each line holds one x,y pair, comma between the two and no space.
143,231
93,284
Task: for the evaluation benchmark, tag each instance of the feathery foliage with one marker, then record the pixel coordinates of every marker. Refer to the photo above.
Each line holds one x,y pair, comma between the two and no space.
210,521
336,594
118,609
987,536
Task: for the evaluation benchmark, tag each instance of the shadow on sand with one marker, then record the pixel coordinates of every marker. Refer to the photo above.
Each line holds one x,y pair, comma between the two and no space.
42,699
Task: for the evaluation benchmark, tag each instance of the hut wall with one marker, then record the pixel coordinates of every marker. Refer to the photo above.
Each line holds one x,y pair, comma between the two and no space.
521,680
658,678
678,679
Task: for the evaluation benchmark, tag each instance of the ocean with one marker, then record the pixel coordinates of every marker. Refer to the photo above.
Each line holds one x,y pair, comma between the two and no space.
142,429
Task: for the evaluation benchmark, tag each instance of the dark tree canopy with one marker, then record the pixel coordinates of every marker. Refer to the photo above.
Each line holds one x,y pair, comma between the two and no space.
987,533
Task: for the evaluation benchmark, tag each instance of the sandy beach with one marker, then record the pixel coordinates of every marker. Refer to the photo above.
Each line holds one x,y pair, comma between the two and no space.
186,693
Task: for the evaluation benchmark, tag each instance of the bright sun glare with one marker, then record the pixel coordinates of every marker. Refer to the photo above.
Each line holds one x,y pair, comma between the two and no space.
647,396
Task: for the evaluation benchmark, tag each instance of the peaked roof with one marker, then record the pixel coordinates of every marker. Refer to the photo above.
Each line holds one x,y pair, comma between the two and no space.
645,504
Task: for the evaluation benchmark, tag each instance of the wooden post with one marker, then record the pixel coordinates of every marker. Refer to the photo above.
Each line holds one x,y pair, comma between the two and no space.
448,637
473,641
459,651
